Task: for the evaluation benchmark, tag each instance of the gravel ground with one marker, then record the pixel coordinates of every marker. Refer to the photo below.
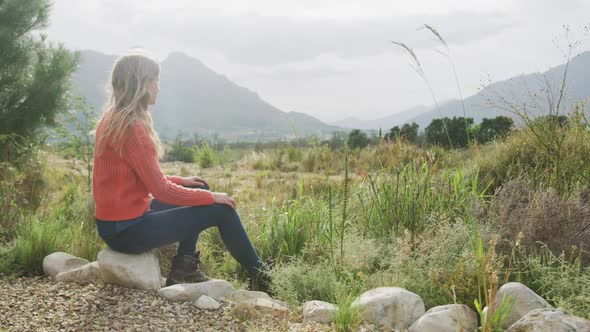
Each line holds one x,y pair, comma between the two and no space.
41,304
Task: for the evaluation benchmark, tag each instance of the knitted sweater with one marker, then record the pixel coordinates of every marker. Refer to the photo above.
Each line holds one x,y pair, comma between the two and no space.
122,183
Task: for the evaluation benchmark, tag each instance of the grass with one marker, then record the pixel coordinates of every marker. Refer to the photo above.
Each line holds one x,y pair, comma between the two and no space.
440,223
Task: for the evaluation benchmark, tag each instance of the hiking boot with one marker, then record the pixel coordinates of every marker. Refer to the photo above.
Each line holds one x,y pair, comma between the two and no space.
185,270
261,280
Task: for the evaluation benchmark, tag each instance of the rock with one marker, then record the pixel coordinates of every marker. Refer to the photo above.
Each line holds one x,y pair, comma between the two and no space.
318,311
390,307
214,288
446,318
524,300
266,306
242,295
61,262
253,308
244,312
550,320
207,303
130,270
89,273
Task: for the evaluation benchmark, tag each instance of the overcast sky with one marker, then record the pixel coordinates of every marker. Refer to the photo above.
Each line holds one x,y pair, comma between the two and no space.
334,58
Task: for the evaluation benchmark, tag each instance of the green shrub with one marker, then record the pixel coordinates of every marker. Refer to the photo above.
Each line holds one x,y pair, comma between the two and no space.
560,279
299,281
205,156
36,239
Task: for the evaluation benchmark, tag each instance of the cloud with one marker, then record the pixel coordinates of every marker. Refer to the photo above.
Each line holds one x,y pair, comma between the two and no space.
255,39
252,38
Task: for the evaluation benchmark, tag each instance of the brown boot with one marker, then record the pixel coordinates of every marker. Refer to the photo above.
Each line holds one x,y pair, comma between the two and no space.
185,270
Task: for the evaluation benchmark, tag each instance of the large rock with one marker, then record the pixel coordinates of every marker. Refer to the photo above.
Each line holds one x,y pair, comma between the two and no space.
254,308
214,288
550,320
390,307
89,273
523,298
243,295
446,318
61,262
266,306
130,270
318,311
206,303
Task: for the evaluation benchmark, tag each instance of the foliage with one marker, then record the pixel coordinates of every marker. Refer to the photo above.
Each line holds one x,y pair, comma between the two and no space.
357,139
490,129
407,131
449,133
34,75
180,151
75,138
205,156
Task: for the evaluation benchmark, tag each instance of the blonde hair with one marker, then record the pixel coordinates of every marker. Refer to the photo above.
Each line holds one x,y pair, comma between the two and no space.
128,101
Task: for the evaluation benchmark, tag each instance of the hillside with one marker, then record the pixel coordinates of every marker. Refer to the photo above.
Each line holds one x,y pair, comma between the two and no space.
196,100
526,90
385,122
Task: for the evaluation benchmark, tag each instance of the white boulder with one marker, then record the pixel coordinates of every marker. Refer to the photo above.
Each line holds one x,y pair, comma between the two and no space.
523,299
214,288
88,273
130,270
207,303
446,318
57,262
241,295
266,306
390,307
318,311
550,320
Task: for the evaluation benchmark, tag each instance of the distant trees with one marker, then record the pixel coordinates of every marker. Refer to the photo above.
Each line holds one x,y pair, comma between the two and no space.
34,74
490,129
449,133
407,131
357,139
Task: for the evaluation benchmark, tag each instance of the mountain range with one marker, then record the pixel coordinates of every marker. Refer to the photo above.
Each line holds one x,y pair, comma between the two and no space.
196,100
533,93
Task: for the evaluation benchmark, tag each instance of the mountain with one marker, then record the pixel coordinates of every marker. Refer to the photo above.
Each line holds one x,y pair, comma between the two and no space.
530,91
385,123
194,99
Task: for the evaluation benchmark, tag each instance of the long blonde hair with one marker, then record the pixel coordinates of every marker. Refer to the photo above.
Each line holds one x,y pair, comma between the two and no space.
128,101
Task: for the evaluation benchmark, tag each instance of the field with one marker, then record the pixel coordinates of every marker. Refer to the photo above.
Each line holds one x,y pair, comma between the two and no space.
449,225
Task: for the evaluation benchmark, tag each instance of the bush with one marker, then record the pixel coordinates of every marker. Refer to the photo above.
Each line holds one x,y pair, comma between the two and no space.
560,279
205,156
22,187
533,213
299,281
357,139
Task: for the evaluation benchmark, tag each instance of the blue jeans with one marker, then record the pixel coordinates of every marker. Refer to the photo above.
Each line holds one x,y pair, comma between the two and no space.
165,224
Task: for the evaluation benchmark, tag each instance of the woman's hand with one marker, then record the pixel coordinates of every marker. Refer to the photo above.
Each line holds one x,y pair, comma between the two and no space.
223,198
194,181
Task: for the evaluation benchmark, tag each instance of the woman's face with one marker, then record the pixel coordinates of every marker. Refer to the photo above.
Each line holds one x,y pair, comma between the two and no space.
154,88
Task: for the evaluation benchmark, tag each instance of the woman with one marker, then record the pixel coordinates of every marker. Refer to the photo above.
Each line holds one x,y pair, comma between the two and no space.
126,172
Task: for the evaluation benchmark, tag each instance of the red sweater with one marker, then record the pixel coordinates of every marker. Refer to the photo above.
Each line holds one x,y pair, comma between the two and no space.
122,184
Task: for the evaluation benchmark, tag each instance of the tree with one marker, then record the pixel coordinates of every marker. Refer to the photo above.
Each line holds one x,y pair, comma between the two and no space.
394,133
74,135
490,129
449,133
410,132
357,139
34,74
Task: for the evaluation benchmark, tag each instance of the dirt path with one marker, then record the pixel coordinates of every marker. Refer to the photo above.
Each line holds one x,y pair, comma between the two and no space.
41,304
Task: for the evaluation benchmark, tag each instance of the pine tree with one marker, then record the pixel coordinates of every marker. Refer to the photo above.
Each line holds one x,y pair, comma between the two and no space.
34,74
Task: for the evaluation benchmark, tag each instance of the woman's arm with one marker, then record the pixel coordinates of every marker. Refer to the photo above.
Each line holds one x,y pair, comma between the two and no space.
142,158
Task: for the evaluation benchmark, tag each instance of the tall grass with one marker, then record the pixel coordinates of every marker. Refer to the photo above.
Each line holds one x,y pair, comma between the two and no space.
407,199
